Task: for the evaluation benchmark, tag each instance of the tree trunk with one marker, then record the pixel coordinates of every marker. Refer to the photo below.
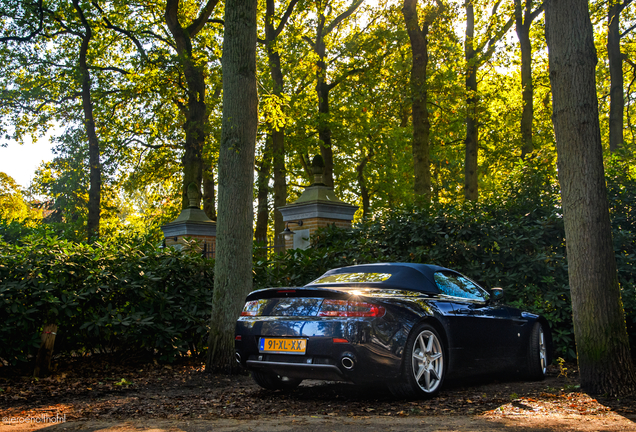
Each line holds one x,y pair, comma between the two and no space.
322,89
45,353
209,204
280,180
419,100
195,126
233,267
262,186
95,173
615,58
599,323
364,191
277,135
471,188
523,32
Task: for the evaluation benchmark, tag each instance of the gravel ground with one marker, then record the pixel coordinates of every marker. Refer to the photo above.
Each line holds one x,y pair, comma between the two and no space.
98,394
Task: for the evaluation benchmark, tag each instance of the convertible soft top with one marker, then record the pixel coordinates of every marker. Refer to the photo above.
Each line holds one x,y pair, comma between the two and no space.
416,277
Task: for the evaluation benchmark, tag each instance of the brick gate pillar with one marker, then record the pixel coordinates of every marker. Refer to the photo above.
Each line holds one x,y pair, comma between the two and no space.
316,208
192,224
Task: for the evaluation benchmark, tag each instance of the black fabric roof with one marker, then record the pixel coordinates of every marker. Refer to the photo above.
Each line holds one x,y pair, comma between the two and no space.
416,277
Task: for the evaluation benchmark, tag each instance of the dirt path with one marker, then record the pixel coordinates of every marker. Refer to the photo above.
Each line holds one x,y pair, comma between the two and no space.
529,423
98,396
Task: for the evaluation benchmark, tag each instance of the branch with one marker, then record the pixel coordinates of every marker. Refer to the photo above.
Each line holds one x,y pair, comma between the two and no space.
305,163
627,31
492,41
66,28
310,42
430,18
354,5
217,21
283,21
537,11
135,140
110,68
33,33
200,21
57,102
118,29
344,77
161,38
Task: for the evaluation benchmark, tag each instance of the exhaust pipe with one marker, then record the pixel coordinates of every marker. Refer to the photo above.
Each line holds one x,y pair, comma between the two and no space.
237,356
347,363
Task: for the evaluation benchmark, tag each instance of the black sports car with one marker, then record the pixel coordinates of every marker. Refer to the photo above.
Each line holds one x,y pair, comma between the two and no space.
408,325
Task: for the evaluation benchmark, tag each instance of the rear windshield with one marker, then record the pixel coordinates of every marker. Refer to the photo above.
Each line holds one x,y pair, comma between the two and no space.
352,278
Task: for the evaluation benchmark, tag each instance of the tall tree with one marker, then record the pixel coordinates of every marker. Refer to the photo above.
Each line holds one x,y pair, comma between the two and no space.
263,171
599,322
524,16
323,85
196,112
615,57
477,52
419,92
95,175
233,266
277,132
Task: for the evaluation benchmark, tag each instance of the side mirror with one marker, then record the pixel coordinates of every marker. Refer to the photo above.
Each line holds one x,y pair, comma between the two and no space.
496,294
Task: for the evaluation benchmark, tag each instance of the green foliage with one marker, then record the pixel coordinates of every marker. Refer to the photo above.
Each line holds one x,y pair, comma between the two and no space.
13,206
120,297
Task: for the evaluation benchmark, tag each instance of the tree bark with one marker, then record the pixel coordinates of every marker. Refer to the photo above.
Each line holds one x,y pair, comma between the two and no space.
209,204
419,97
323,87
280,179
476,54
524,18
233,266
364,190
615,58
95,173
262,193
599,323
277,135
196,113
471,188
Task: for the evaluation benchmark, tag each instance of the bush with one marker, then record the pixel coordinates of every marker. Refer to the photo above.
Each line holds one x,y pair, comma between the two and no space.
104,298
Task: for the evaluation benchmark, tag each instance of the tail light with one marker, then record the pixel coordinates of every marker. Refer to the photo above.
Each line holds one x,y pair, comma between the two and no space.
251,308
347,308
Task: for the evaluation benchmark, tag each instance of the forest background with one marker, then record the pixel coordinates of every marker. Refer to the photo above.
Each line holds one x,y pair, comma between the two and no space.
440,132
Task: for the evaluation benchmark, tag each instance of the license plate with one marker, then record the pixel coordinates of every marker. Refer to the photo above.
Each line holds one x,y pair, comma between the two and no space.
282,346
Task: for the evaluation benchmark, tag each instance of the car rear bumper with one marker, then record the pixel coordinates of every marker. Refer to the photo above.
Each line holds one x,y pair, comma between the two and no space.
367,355
299,370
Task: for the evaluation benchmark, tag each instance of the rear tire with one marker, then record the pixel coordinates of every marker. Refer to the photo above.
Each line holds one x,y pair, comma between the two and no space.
275,382
537,353
424,364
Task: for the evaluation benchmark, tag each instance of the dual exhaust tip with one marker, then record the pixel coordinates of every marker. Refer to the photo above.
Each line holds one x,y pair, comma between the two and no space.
346,361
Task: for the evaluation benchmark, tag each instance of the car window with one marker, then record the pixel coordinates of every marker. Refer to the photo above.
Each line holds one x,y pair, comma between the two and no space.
352,277
459,286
